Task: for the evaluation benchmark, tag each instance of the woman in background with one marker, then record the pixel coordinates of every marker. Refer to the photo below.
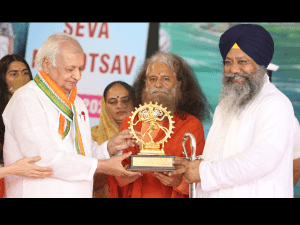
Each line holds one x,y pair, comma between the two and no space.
116,104
15,73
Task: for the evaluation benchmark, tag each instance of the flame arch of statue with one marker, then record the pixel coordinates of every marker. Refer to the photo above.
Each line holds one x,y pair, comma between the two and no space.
152,113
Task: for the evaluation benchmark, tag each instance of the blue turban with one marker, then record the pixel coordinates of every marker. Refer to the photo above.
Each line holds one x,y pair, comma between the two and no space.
252,39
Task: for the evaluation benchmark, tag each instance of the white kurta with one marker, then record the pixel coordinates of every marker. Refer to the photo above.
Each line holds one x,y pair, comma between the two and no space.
253,156
31,129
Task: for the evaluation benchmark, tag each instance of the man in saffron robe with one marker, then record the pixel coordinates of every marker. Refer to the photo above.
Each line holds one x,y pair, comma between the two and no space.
46,118
249,148
167,80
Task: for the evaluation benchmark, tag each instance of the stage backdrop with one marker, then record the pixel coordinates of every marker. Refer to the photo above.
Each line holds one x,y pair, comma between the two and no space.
113,51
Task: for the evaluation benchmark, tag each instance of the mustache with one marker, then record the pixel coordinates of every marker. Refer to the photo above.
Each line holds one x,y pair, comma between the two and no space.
153,90
227,77
240,75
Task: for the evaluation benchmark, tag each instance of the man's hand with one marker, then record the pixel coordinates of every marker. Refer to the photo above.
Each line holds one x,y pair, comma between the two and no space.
121,141
173,181
189,169
132,178
113,166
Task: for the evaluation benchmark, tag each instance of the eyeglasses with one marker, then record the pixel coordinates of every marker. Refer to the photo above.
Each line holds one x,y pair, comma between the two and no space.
240,63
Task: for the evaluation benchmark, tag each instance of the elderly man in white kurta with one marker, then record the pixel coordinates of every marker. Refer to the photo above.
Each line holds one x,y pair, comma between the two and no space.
249,148
46,118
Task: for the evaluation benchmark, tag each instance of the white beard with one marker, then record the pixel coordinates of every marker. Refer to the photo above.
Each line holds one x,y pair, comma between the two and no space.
170,100
235,96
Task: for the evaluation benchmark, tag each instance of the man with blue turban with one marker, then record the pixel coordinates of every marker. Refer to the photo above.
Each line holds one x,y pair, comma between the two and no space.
254,40
249,148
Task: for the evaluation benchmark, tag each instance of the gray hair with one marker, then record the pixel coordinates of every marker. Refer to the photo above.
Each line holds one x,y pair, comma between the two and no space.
163,57
50,48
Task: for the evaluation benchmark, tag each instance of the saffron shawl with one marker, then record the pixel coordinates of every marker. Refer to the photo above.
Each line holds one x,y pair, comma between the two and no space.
65,106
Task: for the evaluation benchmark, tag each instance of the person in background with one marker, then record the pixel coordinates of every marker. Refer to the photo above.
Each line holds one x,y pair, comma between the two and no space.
116,104
15,73
270,69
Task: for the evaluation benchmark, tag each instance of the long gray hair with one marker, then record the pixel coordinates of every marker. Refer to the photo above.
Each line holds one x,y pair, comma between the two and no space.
192,99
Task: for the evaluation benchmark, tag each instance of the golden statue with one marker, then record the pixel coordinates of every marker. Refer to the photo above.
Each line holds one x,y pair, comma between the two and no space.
152,114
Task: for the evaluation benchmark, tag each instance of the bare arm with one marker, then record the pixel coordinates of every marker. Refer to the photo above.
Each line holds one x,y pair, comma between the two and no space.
26,168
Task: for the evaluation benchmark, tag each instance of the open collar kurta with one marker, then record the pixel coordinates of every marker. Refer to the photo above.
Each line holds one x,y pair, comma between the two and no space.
31,129
253,156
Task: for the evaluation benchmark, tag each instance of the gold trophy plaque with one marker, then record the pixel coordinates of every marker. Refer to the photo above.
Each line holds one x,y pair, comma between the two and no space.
152,156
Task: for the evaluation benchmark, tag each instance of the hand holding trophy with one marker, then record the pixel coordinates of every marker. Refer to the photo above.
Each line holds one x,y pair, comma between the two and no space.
151,157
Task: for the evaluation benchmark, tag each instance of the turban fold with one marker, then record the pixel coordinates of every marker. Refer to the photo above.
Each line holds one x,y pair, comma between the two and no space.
252,39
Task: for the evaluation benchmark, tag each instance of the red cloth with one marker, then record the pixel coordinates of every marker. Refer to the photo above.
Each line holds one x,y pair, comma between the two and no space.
1,187
114,189
148,186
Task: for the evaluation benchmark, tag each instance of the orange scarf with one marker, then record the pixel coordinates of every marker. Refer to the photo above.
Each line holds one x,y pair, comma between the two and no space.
64,104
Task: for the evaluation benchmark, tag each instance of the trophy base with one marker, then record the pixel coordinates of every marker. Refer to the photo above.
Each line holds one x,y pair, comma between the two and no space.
151,163
151,152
